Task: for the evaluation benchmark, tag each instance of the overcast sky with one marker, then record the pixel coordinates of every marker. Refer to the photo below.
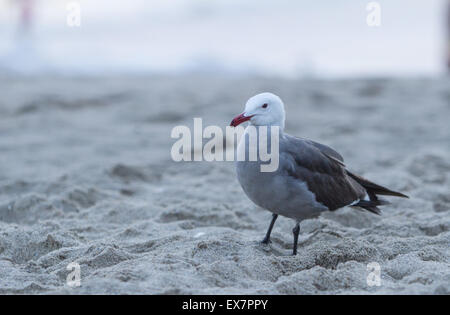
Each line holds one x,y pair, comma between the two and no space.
284,37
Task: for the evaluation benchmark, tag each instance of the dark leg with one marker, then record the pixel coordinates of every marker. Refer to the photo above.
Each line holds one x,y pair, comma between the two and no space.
296,231
266,239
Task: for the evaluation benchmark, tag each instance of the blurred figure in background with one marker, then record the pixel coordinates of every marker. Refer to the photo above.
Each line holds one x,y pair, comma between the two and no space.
448,36
24,56
26,16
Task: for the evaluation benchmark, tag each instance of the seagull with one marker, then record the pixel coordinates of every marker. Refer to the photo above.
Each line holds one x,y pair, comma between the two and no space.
311,178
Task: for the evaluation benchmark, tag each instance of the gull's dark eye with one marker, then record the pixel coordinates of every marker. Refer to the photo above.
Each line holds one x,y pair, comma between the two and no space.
265,106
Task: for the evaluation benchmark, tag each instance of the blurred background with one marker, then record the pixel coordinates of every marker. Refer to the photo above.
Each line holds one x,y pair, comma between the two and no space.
265,37
86,114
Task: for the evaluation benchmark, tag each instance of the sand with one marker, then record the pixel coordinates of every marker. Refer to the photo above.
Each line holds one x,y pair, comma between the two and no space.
86,177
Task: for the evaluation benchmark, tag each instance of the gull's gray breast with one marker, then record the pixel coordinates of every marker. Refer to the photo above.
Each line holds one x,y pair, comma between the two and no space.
277,191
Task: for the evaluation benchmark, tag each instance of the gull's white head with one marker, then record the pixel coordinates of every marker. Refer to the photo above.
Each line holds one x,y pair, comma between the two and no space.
265,109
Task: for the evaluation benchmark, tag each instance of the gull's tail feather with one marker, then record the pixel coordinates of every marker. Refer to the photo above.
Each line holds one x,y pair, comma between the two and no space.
369,206
373,189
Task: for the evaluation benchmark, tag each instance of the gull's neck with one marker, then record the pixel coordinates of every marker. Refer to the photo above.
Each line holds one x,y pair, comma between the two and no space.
279,125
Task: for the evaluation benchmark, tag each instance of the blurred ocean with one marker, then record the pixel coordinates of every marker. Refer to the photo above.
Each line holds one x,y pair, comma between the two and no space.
324,38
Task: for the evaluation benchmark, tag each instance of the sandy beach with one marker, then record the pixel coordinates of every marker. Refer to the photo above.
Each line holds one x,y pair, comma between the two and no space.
86,176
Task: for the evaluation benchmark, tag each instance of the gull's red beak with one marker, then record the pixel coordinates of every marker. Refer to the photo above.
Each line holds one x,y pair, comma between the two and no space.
239,120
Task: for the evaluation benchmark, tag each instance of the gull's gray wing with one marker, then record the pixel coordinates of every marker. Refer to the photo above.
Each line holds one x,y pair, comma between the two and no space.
321,168
326,150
